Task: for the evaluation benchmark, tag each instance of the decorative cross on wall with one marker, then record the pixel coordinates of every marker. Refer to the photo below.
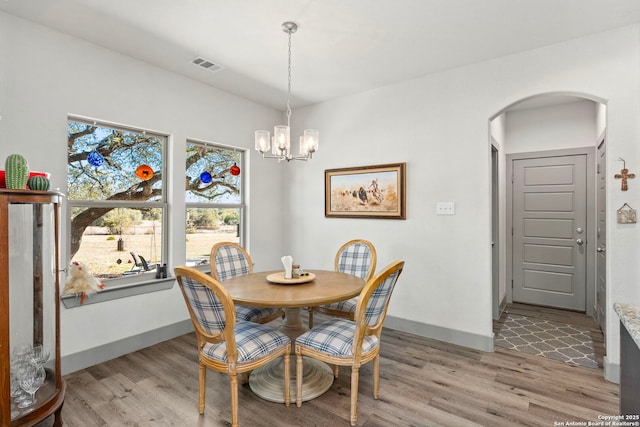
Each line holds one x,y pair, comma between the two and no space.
624,175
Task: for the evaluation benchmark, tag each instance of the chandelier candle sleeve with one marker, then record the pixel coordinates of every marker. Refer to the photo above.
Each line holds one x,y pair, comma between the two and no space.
281,142
263,140
310,141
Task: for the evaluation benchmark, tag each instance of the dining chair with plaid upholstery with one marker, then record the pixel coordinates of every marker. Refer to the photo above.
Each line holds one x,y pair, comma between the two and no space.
357,257
229,260
224,343
344,342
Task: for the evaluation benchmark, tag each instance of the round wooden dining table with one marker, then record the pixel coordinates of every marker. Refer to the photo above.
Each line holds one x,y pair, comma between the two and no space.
268,289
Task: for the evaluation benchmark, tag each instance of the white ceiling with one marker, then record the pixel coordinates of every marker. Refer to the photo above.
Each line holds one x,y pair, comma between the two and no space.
341,47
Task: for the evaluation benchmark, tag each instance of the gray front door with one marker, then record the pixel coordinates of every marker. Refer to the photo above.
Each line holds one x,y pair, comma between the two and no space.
549,231
601,234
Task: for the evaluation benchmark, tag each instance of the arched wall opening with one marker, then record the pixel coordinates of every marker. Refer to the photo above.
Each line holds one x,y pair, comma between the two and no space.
543,123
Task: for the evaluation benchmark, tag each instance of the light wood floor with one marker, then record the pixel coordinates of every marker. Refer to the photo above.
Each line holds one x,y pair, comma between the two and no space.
423,383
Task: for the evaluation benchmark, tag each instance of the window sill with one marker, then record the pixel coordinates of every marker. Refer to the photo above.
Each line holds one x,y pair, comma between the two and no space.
122,291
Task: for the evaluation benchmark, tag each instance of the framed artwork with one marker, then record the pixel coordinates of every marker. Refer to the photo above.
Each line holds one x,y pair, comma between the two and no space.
365,192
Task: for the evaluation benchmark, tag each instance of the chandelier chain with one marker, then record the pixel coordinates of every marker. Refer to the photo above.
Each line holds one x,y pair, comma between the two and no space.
289,84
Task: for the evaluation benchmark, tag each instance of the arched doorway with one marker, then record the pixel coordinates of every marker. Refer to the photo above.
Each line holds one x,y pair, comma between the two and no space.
544,126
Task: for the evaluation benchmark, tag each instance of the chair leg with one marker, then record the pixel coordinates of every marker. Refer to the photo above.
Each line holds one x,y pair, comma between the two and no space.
376,377
245,377
310,309
202,380
298,378
336,371
287,380
233,381
354,395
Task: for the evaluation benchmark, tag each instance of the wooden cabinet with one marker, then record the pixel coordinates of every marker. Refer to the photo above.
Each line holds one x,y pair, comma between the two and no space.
29,297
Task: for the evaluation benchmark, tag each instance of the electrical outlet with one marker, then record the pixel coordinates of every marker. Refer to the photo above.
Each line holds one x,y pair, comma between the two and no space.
445,208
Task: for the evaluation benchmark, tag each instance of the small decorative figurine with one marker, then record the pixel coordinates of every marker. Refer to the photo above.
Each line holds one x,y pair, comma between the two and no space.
38,182
287,263
81,281
16,172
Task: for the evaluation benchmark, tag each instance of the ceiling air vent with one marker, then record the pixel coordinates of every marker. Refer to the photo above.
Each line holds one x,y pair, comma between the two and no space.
206,64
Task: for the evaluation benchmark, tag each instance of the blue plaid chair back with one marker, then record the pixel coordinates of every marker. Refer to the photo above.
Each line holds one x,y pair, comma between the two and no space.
205,304
379,299
230,262
355,259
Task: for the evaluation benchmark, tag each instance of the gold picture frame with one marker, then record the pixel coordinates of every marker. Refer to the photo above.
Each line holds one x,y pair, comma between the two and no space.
376,191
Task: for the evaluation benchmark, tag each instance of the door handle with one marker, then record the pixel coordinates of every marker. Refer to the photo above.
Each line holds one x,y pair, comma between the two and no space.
579,241
599,249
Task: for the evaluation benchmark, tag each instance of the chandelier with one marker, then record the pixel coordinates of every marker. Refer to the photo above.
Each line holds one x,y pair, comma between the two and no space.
280,144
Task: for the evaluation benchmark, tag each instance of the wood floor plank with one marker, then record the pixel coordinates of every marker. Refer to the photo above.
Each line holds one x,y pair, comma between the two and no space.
423,382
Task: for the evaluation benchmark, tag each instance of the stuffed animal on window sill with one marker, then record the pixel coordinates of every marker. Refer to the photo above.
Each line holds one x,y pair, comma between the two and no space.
81,281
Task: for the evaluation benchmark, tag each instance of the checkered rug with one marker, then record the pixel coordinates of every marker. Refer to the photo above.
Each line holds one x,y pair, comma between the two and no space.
568,343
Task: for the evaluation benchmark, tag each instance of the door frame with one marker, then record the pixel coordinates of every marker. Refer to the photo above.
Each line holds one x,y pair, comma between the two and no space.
495,231
590,244
602,142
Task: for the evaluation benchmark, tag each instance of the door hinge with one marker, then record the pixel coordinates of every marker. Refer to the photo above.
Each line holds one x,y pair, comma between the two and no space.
511,284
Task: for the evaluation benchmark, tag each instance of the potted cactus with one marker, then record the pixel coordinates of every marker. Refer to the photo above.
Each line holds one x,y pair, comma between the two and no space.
39,182
16,172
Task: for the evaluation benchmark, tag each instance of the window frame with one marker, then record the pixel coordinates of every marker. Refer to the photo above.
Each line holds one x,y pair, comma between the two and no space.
126,282
241,206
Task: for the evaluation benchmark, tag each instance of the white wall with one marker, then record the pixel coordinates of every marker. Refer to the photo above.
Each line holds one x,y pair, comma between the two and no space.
438,124
568,125
46,75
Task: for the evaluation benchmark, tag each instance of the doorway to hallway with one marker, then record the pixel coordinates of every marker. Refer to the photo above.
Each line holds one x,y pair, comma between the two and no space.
550,240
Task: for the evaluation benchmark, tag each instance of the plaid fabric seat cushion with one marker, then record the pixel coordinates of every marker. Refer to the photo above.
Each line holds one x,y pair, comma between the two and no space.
254,341
251,314
348,305
335,337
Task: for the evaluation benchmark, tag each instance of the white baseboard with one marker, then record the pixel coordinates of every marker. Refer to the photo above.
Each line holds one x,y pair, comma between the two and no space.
611,371
93,356
453,336
84,359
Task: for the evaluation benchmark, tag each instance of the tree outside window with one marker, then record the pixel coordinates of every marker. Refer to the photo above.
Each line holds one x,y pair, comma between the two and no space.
214,199
117,203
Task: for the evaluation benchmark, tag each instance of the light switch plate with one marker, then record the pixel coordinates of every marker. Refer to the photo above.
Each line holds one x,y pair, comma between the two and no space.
445,208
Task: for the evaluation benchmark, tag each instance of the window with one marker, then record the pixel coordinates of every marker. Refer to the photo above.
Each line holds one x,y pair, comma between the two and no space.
214,199
117,204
